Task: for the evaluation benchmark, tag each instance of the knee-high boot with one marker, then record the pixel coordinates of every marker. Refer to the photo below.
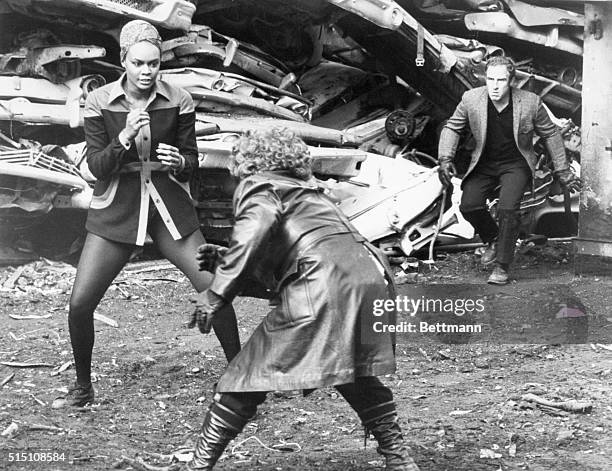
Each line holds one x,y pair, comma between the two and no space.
221,425
509,225
381,420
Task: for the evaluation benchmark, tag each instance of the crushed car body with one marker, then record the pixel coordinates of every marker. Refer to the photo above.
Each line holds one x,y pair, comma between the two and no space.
367,84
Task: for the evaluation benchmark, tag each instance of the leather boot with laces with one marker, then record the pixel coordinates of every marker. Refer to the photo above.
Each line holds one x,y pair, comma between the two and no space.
221,425
388,434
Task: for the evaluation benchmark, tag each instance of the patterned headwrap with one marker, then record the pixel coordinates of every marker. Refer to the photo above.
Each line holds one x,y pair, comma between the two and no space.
136,31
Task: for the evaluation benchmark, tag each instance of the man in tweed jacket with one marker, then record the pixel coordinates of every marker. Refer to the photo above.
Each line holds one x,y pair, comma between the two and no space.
503,121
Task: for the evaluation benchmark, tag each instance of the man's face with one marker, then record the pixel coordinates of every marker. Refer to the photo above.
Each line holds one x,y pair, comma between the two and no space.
141,64
498,82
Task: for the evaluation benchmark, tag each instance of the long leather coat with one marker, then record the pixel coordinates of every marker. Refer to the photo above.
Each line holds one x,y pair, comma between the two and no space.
324,278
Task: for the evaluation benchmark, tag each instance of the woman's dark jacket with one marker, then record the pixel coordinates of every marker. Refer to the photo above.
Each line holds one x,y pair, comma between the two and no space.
132,182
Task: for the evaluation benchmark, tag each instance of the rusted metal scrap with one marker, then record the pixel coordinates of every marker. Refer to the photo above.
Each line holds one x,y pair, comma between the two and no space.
56,63
365,83
239,123
211,85
203,44
44,91
54,177
327,161
171,14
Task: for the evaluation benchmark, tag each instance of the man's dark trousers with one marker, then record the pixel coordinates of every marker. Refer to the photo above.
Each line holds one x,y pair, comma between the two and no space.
513,178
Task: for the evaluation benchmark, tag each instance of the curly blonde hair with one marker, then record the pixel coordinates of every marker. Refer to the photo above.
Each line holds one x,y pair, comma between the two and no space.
270,149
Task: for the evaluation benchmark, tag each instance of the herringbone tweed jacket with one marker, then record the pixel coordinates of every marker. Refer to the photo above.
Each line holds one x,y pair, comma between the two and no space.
529,116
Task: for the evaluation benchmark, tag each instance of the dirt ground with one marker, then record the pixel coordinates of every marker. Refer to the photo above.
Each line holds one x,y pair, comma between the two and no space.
461,406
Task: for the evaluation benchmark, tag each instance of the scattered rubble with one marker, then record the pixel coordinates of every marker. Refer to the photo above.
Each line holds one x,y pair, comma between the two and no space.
569,406
7,379
11,430
151,358
44,277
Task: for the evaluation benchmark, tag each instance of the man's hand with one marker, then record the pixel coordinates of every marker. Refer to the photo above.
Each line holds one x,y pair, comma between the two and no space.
446,171
207,304
209,256
569,180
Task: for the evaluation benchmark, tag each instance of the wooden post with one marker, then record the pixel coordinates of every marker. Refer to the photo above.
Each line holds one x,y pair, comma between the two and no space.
594,242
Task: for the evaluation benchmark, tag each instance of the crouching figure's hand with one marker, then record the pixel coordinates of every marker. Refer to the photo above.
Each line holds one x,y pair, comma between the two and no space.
207,305
209,256
569,180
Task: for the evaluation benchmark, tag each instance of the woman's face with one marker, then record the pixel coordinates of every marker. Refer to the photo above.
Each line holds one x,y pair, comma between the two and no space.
142,63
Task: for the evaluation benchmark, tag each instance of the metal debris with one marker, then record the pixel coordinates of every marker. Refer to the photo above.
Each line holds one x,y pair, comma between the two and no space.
366,84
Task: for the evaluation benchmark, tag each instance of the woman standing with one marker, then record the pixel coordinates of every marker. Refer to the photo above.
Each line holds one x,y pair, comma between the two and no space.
326,279
141,146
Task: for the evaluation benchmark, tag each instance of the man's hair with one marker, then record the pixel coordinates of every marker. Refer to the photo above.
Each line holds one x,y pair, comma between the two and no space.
505,61
270,149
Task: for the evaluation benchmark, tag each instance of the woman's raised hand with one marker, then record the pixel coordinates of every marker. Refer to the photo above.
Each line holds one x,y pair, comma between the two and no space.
134,121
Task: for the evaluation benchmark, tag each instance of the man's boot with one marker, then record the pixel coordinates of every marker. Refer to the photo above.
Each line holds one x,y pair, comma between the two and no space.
381,420
486,227
489,254
499,276
221,425
509,225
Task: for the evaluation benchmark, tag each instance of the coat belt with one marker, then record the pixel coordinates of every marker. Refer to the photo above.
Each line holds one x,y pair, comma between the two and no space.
138,167
309,238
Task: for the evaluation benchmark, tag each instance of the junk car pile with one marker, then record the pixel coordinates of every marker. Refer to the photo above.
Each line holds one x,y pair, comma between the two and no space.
366,83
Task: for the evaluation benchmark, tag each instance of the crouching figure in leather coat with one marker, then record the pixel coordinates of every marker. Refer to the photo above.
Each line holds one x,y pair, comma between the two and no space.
324,278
